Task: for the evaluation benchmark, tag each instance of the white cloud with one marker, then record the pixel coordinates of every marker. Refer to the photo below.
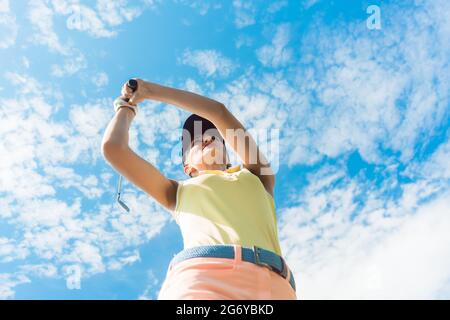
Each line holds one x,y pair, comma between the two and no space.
277,6
70,66
309,3
352,89
384,253
26,62
24,83
245,13
11,250
40,270
86,253
82,18
243,40
356,89
276,54
202,7
98,22
192,86
8,26
117,12
439,164
354,238
8,282
152,283
208,62
128,258
333,103
4,6
37,158
100,79
41,17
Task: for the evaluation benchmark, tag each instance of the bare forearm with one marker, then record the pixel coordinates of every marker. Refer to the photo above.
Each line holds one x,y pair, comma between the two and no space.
117,131
189,101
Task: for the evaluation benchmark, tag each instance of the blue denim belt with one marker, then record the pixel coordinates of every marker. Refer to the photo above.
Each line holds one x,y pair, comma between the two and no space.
256,255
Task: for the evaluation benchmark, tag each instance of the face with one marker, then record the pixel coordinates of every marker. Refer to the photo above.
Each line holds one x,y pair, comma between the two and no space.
206,152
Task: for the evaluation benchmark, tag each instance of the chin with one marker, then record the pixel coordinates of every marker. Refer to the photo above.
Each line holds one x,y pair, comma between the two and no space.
212,154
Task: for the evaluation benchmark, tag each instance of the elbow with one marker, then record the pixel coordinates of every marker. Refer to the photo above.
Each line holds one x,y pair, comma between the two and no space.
221,108
106,149
218,111
110,148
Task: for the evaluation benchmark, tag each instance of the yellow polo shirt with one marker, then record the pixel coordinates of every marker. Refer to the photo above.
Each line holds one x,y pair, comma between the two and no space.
226,207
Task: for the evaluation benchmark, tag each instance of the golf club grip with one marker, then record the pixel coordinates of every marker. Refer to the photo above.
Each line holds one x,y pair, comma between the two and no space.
133,85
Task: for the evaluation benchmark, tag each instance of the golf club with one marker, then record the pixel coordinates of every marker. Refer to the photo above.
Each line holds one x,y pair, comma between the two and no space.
132,84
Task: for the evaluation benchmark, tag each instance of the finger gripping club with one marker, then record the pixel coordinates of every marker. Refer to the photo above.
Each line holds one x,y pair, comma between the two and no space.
133,85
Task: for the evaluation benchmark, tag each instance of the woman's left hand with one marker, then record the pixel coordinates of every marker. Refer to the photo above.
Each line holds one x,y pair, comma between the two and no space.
137,96
145,90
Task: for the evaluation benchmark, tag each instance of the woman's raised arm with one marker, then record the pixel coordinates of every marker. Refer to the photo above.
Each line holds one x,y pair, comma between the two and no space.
141,173
228,125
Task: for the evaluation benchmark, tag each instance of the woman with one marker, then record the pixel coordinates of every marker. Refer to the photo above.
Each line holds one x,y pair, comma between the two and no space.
226,213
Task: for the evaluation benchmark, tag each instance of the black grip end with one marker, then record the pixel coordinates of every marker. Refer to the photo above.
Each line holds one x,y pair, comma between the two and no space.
132,84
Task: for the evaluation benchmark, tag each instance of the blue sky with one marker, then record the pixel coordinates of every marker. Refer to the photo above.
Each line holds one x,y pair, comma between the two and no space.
363,174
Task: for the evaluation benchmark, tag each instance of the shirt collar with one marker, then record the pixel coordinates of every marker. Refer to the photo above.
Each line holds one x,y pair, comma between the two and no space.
235,168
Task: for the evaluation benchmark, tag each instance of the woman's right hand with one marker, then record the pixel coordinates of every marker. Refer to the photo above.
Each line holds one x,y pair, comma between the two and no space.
144,91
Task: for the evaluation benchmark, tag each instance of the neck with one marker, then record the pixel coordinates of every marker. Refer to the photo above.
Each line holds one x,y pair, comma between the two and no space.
216,167
220,167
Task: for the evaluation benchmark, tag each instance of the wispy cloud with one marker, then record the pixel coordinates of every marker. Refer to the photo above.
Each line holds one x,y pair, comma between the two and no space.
70,66
208,62
150,292
366,237
337,92
36,168
346,239
277,6
117,12
202,7
4,6
243,40
99,22
8,282
100,79
8,26
41,17
309,3
245,13
277,54
354,91
354,237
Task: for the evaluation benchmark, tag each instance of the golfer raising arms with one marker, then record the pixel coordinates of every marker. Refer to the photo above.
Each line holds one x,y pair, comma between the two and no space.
226,213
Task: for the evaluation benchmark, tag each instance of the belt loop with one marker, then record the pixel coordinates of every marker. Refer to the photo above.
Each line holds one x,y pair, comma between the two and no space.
237,254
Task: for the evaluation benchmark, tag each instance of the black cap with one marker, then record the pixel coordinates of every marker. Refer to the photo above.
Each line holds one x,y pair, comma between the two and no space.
192,127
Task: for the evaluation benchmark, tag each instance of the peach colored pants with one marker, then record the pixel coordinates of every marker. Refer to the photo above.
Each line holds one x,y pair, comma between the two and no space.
224,279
